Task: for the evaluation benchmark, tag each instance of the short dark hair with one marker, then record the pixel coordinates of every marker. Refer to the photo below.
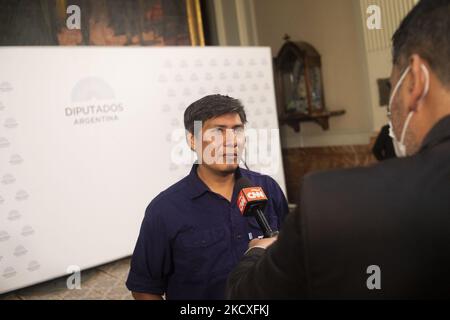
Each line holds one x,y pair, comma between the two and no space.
426,32
210,107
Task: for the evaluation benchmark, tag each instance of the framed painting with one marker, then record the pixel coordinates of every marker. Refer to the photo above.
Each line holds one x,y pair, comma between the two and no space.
101,22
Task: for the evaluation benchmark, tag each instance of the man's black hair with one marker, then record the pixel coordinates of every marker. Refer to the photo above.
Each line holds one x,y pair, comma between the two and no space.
210,107
425,31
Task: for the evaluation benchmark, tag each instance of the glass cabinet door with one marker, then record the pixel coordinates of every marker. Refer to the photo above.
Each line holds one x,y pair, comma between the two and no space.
316,89
294,85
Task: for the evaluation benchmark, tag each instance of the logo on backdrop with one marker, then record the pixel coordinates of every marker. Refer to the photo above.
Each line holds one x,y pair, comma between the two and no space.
93,101
5,87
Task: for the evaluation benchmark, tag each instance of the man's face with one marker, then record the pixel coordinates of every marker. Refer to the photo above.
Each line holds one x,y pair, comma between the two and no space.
222,143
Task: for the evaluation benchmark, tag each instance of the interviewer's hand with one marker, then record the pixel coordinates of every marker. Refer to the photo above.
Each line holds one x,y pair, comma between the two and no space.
262,243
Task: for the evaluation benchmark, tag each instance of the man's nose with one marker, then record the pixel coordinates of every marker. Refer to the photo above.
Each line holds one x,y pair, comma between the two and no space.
230,138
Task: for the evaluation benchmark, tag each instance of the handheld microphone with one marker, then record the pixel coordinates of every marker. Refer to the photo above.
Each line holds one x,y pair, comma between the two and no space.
251,202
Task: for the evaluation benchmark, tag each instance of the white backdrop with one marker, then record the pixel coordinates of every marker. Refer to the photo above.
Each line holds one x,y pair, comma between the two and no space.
88,136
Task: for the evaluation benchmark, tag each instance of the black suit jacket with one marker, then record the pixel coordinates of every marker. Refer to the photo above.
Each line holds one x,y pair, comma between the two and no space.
394,215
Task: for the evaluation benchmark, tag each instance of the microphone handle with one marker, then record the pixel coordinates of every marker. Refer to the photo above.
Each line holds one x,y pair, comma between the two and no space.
264,225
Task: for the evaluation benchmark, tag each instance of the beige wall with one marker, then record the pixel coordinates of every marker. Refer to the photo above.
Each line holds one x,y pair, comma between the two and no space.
353,57
379,66
331,27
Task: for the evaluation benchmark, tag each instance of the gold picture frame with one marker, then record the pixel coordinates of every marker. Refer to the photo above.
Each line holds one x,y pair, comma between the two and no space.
195,22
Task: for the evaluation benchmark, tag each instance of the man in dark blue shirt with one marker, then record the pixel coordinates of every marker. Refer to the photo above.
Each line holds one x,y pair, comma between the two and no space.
193,234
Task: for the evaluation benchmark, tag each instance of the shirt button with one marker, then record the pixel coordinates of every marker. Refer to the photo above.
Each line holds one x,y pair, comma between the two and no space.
239,237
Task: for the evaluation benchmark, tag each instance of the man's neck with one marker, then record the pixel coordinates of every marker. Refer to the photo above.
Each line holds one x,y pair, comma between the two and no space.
222,184
438,109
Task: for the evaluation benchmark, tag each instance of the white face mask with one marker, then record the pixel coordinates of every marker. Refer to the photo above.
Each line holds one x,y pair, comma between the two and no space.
399,146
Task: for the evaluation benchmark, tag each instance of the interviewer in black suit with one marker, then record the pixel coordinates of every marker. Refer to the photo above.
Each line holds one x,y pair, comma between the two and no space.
384,231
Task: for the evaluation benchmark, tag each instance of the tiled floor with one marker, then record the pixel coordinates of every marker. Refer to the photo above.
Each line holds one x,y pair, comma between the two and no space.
104,282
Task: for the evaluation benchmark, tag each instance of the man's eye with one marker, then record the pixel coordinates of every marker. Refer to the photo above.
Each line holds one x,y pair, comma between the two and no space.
217,130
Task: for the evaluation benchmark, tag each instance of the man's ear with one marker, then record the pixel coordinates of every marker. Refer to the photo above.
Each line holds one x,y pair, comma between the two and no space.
190,139
418,82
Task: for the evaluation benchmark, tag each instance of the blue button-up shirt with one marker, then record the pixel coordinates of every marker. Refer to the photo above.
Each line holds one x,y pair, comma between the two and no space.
191,238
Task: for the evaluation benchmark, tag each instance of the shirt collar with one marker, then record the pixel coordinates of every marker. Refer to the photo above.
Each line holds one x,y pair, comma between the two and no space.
197,187
437,134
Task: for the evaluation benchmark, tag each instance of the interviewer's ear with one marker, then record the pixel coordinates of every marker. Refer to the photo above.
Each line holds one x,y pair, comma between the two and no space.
418,82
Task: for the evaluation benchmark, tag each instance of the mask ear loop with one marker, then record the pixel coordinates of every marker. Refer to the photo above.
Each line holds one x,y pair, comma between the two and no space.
394,92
